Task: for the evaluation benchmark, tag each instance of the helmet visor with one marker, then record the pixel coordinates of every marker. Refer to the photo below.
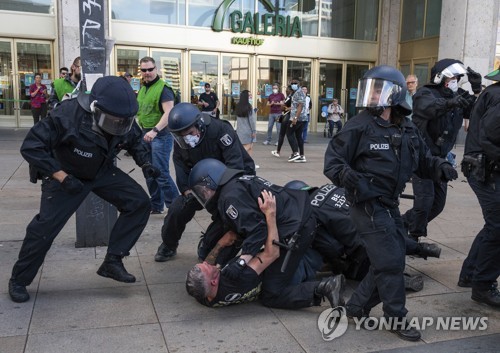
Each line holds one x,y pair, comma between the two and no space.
454,70
375,92
113,125
203,194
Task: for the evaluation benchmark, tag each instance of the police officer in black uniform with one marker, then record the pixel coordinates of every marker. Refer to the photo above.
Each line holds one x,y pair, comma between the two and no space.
197,137
337,240
481,166
439,108
73,152
233,196
373,157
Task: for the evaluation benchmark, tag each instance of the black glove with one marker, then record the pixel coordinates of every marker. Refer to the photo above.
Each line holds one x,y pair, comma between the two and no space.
350,178
446,172
474,80
233,270
151,171
457,102
72,185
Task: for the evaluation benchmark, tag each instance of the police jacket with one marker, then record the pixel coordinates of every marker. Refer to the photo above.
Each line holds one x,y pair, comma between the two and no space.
331,210
438,123
238,208
384,154
69,140
220,142
483,135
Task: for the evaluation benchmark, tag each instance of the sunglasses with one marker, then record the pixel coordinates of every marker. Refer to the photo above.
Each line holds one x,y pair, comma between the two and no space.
148,69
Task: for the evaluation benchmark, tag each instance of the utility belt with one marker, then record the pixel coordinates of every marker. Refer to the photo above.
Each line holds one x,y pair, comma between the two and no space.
478,166
388,202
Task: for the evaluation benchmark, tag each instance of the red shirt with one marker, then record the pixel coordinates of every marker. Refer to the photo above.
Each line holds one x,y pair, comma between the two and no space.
276,98
40,97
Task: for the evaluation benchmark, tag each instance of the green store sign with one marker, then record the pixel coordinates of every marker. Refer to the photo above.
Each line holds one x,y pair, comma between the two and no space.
272,24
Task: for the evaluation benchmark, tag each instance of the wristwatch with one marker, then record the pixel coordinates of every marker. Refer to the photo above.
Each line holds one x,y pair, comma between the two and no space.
155,129
241,262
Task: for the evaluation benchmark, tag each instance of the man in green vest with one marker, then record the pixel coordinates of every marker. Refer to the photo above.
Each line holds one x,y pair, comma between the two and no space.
156,99
65,85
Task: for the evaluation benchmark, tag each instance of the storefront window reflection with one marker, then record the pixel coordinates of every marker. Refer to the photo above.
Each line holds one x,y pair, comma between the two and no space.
152,11
201,12
235,79
330,86
37,6
350,19
306,10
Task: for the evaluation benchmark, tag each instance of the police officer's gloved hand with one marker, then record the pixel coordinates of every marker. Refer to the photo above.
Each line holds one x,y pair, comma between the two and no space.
233,270
151,171
474,80
350,178
457,102
72,185
447,172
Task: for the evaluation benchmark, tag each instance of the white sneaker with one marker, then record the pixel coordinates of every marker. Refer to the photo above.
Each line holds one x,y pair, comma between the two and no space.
293,157
275,154
276,143
301,159
266,142
257,166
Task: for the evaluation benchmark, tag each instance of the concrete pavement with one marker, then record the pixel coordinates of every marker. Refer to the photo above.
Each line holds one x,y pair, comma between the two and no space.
72,309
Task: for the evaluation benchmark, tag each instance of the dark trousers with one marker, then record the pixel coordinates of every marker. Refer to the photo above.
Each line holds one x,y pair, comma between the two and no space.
277,290
57,206
39,113
430,199
382,233
285,123
483,261
331,125
294,136
180,213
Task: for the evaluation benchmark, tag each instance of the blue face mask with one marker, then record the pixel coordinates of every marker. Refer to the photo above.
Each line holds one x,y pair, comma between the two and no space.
295,86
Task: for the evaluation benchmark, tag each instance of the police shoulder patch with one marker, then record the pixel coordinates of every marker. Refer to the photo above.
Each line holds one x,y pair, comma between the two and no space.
232,212
226,140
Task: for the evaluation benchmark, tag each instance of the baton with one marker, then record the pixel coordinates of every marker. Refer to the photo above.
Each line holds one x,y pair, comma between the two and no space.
289,248
407,196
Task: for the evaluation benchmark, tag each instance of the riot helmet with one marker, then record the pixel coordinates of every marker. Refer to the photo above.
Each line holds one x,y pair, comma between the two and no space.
207,176
447,68
297,185
382,86
187,125
114,105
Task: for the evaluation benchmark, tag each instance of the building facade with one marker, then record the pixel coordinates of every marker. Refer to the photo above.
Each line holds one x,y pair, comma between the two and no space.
245,44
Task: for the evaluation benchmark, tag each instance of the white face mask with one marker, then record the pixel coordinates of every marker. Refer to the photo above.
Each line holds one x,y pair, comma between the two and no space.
191,140
453,85
275,90
250,101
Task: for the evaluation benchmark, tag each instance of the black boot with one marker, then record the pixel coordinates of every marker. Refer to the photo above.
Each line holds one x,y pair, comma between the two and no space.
112,267
18,292
414,283
426,250
406,332
164,254
333,289
490,296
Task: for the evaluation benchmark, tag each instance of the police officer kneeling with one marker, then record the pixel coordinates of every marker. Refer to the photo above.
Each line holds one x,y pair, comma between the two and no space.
373,157
73,153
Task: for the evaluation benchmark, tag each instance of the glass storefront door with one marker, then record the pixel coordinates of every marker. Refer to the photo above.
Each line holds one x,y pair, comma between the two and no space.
204,68
330,86
17,72
169,67
353,73
269,72
235,78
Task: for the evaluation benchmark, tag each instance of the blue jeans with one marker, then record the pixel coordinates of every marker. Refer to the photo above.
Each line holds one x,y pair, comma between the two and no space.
304,131
270,124
162,189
